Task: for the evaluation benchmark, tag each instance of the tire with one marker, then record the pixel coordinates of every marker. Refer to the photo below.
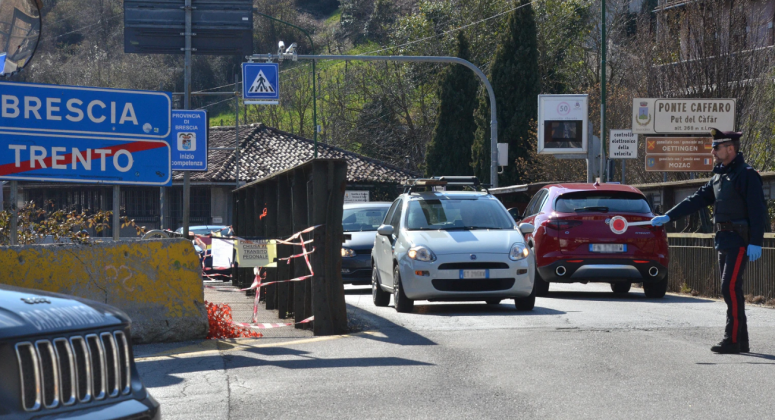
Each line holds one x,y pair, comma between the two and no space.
525,303
540,287
493,301
379,296
655,290
621,288
401,302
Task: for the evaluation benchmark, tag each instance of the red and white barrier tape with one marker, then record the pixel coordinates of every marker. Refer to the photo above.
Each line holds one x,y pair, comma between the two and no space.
265,325
258,280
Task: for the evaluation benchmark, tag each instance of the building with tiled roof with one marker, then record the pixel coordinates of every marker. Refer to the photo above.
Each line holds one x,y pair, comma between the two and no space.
266,150
262,151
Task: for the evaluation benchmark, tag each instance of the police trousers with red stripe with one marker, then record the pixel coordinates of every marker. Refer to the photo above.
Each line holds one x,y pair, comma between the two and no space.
732,263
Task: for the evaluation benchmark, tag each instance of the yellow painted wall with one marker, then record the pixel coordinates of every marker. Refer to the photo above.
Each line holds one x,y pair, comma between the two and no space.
158,283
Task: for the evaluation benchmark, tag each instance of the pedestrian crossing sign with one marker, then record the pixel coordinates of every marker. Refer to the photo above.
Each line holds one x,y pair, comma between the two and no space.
261,81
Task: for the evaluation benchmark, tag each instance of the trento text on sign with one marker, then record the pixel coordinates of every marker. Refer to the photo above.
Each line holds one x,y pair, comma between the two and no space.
83,159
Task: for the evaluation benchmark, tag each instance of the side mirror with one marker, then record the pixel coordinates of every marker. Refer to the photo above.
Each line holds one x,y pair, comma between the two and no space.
526,228
385,230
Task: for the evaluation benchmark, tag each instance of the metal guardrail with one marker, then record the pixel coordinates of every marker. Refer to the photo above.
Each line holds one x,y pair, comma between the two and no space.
694,263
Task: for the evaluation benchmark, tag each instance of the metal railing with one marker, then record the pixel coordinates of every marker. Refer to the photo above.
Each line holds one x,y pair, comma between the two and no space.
694,265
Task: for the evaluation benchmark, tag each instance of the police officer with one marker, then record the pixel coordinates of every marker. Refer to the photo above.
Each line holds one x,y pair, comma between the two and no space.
739,215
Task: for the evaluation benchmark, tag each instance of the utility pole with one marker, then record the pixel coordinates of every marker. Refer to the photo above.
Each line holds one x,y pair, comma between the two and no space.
426,59
187,105
602,89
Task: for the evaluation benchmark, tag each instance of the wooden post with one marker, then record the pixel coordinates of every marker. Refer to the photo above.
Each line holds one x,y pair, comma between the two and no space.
284,229
299,206
270,231
327,290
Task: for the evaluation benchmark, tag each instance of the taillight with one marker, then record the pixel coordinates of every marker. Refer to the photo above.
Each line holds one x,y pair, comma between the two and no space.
561,224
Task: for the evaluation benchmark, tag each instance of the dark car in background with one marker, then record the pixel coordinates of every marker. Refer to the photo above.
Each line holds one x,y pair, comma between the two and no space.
573,241
360,221
67,357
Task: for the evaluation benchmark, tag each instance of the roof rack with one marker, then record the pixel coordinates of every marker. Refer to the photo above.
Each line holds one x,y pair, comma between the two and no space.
458,182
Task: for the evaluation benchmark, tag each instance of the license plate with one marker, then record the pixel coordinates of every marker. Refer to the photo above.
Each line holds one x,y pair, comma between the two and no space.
607,248
474,274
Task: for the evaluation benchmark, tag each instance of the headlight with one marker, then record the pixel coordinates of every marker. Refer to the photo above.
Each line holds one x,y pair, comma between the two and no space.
347,253
519,251
421,253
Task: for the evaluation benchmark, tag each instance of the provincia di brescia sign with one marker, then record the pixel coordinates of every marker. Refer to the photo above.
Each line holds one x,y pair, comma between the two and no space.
682,116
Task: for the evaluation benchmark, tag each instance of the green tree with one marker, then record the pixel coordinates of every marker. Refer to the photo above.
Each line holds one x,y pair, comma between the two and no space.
449,151
515,78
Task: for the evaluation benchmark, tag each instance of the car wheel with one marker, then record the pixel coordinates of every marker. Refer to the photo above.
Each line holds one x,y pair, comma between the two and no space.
493,301
621,287
379,296
401,302
525,303
540,287
655,290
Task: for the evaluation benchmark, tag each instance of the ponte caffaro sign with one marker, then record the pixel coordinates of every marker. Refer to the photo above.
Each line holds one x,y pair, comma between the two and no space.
682,116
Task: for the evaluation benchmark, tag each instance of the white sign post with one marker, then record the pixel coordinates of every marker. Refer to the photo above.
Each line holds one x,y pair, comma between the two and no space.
622,144
682,116
562,124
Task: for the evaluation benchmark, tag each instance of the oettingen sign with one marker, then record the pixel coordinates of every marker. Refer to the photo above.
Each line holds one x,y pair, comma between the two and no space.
55,109
679,154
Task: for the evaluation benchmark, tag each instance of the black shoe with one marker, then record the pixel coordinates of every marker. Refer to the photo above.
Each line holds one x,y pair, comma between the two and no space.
744,347
725,347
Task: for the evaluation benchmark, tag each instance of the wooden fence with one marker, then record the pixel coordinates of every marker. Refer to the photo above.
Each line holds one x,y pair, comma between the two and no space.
310,194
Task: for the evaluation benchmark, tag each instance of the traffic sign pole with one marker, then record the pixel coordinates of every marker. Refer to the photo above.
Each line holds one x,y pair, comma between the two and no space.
116,212
14,212
187,105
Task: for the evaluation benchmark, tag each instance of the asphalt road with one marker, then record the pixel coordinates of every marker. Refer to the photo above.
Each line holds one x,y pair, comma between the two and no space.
582,353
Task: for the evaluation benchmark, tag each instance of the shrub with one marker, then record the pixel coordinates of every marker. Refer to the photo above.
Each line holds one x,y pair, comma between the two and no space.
221,326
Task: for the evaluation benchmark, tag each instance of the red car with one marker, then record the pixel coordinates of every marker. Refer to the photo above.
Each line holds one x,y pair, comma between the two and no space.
573,241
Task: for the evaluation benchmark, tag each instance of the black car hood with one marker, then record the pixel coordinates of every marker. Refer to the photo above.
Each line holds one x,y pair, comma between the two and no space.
360,240
26,312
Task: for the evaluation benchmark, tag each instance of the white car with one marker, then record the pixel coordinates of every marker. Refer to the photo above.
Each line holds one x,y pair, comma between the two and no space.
440,245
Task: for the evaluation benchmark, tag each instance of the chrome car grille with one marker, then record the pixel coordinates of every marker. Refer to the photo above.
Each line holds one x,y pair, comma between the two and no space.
64,371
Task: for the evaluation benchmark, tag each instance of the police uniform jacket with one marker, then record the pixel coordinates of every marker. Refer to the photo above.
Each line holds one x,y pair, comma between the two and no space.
736,193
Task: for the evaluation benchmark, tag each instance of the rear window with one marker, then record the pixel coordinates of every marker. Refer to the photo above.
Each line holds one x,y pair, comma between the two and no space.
363,219
457,214
597,201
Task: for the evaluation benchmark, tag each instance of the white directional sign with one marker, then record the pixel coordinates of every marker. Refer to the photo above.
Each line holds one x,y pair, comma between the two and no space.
622,144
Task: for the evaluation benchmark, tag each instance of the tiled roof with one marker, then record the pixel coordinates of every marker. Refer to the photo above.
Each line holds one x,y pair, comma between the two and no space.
265,150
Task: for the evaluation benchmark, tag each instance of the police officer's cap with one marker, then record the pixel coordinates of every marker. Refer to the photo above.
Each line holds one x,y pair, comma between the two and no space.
720,137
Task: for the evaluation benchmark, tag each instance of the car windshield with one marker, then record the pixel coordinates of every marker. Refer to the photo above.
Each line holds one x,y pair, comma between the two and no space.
365,219
457,214
597,201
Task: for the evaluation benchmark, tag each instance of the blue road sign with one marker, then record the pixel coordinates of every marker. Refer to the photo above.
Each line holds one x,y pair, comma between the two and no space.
189,140
55,109
261,81
73,158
